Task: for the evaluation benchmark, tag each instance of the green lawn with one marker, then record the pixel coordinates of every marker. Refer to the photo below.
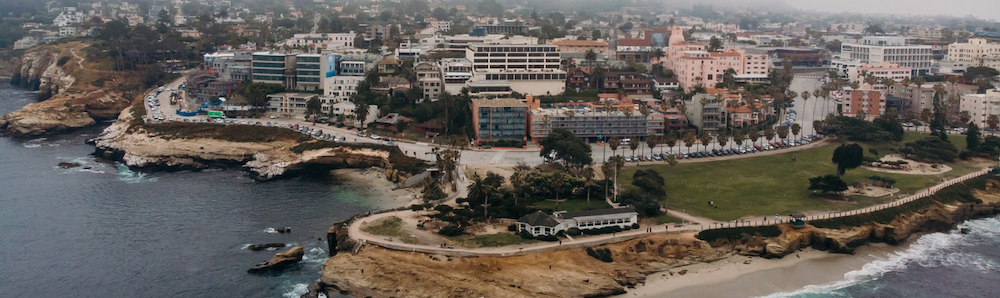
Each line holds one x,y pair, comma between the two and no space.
572,205
664,218
490,240
774,184
389,226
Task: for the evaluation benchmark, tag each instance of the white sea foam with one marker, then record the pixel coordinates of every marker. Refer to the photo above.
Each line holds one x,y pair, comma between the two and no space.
129,176
926,251
297,290
270,231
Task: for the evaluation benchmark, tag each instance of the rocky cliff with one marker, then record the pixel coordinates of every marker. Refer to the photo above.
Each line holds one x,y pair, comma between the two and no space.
378,272
181,146
67,90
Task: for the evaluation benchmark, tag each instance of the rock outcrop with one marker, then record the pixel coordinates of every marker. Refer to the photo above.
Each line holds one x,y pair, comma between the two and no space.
137,146
66,101
280,260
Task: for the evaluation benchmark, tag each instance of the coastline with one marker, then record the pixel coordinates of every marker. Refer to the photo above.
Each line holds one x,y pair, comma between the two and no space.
730,277
373,181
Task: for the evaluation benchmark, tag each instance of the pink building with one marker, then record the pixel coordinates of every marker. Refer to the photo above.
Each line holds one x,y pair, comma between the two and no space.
694,66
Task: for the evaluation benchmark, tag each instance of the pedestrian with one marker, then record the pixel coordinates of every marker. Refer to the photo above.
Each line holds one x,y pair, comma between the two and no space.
560,242
550,266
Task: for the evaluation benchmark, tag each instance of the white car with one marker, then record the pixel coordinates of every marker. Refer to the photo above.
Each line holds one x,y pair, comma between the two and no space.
375,137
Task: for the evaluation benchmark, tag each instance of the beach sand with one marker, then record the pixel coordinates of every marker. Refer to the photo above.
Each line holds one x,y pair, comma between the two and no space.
372,180
730,277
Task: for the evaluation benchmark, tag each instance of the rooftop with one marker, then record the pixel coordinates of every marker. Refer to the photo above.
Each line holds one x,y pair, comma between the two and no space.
596,212
499,102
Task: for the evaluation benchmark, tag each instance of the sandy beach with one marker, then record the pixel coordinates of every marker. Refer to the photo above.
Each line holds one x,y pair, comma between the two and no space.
731,277
373,180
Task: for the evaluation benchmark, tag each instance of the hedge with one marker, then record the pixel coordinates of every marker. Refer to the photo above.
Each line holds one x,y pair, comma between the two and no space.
604,230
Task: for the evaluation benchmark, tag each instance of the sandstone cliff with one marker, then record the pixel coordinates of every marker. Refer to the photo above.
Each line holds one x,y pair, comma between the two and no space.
68,90
178,146
378,272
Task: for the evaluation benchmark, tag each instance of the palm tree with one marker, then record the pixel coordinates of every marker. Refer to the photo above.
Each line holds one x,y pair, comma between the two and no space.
796,128
588,176
738,136
591,57
557,180
769,134
447,100
925,117
517,179
722,139
689,140
634,145
614,143
805,100
477,190
670,139
617,162
754,135
651,142
782,132
705,139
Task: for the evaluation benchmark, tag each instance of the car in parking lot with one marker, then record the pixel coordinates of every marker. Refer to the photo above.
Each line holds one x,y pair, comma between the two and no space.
375,137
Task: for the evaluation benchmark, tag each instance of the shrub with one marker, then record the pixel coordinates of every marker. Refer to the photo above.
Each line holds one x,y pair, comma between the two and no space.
604,230
346,245
62,61
451,230
512,228
738,233
416,207
526,235
549,238
573,232
602,254
635,226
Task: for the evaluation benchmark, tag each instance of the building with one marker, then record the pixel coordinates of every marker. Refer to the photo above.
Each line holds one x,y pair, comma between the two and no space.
429,79
694,66
504,27
341,88
499,119
273,68
208,85
357,64
704,111
393,122
665,84
592,121
674,120
918,98
313,70
981,106
325,41
288,105
25,43
582,46
541,224
892,49
975,52
456,72
802,57
864,102
232,66
527,68
882,71
579,78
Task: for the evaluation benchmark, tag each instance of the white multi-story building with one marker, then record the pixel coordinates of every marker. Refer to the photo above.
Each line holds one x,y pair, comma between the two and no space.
273,68
313,70
528,68
341,88
892,49
976,52
67,18
326,41
981,106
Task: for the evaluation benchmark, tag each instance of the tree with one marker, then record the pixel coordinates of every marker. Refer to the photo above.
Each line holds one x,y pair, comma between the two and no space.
993,122
796,128
982,76
714,44
848,157
689,140
614,143
973,138
432,191
557,180
588,176
782,132
591,57
360,113
705,139
517,179
561,144
596,34
313,106
828,183
634,146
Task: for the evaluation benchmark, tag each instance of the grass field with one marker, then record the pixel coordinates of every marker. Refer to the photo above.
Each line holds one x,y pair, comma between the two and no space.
572,205
490,240
389,226
775,184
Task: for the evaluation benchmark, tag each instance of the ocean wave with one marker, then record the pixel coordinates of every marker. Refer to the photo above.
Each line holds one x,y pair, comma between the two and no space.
297,290
129,176
927,251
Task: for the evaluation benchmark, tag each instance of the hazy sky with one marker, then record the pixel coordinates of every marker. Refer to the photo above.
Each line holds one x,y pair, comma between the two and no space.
985,9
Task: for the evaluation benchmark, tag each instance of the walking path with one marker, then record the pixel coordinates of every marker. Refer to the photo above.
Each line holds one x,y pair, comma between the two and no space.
697,224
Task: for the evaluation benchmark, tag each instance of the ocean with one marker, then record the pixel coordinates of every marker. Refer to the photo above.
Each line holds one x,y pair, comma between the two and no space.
948,264
102,230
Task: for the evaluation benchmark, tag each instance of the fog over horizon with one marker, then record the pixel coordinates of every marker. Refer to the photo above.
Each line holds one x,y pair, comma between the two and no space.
983,9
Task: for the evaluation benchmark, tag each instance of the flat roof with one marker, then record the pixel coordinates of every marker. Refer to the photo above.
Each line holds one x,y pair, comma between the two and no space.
499,102
597,212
